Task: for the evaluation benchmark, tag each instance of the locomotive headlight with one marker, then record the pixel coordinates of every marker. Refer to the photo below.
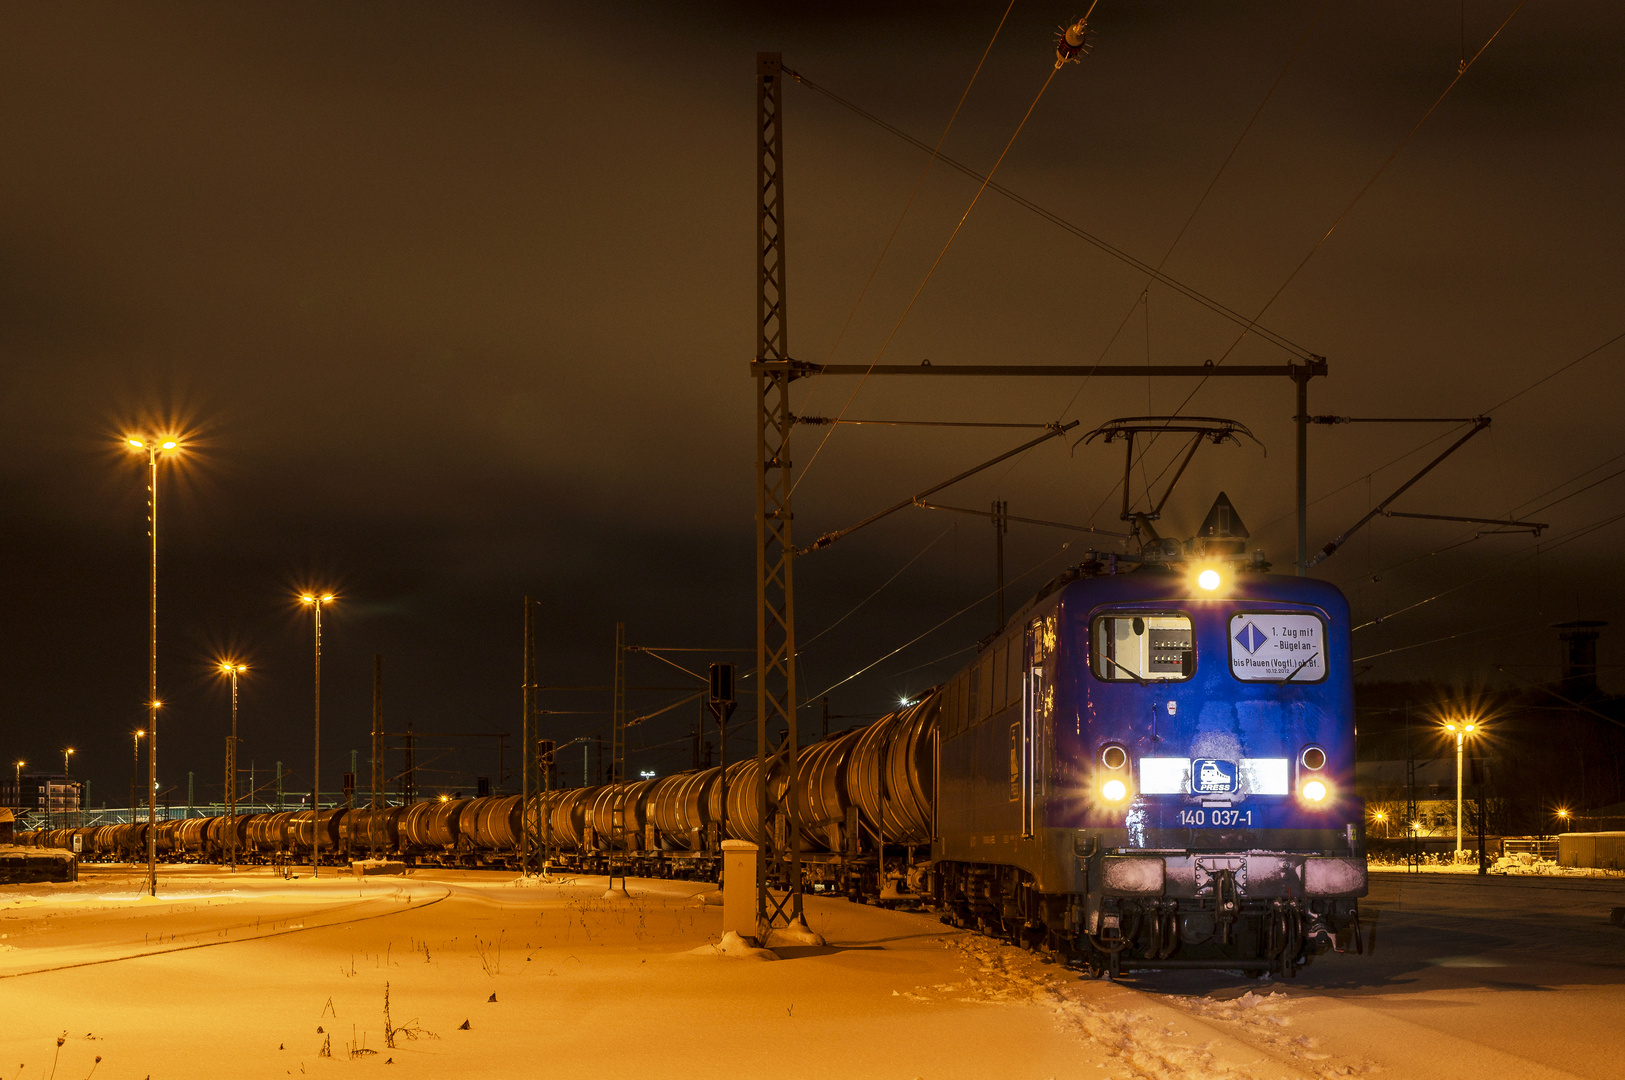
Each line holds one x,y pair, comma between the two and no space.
1114,791
1314,791
1208,580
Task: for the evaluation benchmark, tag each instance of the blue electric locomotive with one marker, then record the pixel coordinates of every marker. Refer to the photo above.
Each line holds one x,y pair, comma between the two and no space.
1152,766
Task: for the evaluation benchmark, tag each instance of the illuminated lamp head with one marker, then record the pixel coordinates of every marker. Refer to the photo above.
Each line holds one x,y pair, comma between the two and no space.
1114,791
1314,791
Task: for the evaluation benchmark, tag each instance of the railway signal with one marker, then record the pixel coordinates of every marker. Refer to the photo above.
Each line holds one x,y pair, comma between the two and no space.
720,700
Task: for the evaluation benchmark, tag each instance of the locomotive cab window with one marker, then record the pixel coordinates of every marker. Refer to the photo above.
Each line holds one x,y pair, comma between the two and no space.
1140,647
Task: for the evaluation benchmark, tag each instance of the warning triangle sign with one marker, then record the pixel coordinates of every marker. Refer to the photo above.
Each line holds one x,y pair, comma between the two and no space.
1223,521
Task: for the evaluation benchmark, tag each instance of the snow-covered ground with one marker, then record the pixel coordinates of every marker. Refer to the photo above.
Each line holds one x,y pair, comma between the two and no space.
1514,865
253,975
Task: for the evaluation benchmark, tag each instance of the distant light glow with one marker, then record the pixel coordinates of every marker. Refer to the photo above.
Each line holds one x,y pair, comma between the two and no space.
137,443
170,444
1208,579
647,774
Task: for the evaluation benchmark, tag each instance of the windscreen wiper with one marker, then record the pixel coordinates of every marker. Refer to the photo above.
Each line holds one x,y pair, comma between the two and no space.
1297,669
1137,678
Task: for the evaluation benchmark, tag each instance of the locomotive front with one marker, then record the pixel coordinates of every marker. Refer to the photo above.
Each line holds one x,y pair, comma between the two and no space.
1200,730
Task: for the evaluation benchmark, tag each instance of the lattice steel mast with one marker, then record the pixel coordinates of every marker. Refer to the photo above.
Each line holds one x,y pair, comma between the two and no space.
778,882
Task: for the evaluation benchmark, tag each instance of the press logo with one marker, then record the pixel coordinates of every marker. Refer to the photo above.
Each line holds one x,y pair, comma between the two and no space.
1251,637
1212,776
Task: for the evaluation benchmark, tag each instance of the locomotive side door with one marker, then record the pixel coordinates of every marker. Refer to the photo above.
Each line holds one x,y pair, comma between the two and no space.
1035,700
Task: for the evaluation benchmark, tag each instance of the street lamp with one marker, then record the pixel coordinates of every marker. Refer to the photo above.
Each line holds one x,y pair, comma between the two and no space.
135,774
66,754
153,447
18,801
315,601
232,669
1460,729
1381,819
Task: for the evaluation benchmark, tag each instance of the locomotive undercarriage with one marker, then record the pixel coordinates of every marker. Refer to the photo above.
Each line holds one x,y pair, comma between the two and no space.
1224,930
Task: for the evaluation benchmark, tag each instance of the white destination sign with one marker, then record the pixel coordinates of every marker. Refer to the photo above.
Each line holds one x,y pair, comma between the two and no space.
1268,647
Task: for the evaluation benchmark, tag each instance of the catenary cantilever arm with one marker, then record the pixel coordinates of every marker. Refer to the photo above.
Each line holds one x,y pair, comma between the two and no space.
1330,549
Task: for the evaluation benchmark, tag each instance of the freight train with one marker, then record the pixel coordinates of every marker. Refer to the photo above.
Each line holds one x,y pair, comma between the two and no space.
1150,766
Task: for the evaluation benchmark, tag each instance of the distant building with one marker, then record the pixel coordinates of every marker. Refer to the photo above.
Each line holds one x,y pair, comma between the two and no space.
45,795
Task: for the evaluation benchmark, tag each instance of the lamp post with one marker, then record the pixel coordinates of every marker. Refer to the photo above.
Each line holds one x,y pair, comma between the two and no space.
18,800
232,669
135,774
153,448
1460,729
66,754
314,602
1381,819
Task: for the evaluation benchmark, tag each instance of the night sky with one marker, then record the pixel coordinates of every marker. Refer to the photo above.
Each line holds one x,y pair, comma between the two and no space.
454,303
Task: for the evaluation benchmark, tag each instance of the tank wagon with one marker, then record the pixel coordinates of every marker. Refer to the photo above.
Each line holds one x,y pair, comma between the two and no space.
1150,766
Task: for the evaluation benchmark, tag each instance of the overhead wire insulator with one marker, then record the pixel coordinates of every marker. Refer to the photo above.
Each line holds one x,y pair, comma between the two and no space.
1071,43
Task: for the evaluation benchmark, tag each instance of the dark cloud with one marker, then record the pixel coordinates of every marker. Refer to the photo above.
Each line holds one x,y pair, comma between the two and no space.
458,302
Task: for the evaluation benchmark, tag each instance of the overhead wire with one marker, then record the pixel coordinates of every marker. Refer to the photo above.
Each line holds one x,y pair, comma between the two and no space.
912,195
1389,160
921,637
1504,401
1188,291
1467,537
930,271
1156,273
854,610
1495,567
1359,195
1463,538
1435,641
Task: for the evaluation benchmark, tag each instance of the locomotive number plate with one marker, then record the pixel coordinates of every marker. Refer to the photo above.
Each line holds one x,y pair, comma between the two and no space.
1216,818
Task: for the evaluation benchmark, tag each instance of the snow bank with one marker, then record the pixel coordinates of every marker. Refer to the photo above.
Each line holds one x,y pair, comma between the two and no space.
791,936
735,947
